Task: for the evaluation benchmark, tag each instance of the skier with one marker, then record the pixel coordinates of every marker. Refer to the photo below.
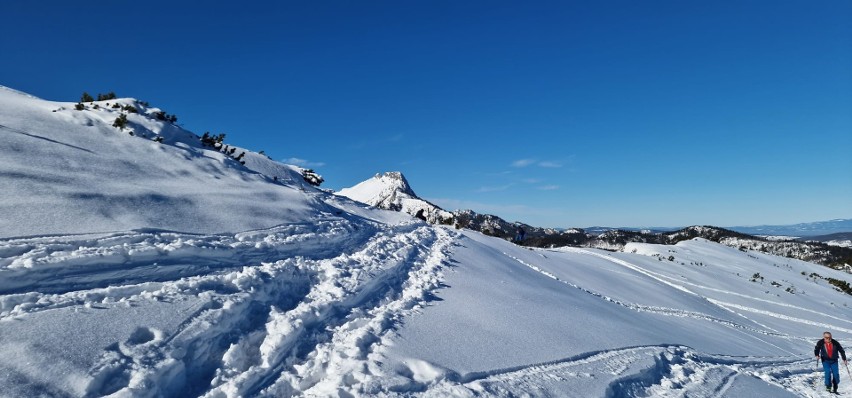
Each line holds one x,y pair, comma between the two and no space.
520,235
827,351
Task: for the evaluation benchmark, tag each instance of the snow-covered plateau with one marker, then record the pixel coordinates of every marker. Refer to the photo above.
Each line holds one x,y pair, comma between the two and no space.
138,266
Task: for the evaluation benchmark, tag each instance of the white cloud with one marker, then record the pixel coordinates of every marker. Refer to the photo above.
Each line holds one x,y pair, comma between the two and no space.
302,162
523,162
548,187
550,164
494,188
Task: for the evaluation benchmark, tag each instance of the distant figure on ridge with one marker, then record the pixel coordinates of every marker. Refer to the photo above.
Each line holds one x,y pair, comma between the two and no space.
829,350
519,237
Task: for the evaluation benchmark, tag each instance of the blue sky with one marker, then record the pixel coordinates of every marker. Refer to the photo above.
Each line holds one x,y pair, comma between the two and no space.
660,113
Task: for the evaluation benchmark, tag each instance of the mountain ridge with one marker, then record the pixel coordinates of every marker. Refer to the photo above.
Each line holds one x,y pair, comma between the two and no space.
384,191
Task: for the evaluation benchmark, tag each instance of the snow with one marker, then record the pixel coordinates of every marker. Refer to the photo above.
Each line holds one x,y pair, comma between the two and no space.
778,237
841,243
391,191
131,268
87,176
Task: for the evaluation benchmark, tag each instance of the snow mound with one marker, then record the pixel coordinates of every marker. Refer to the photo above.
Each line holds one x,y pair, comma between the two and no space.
391,191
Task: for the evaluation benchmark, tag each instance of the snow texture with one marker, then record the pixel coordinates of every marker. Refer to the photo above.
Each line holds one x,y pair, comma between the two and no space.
132,268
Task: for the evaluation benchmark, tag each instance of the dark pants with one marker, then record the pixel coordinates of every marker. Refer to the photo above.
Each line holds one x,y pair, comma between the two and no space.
831,369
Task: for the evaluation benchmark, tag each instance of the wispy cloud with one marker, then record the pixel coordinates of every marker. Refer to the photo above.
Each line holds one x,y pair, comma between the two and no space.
523,162
532,180
549,164
494,188
548,187
302,162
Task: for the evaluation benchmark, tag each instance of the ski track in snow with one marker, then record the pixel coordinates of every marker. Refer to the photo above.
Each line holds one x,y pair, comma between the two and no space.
317,320
314,323
268,327
644,371
653,309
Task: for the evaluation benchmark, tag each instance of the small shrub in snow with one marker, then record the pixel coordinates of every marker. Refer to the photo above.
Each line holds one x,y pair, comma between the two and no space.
120,121
214,141
79,107
162,115
130,109
108,96
841,285
311,177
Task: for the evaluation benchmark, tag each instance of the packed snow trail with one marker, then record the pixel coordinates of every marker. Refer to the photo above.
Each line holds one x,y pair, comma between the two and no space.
267,305
645,371
318,309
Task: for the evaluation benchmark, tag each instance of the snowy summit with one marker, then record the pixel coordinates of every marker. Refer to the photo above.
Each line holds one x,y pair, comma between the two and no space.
391,191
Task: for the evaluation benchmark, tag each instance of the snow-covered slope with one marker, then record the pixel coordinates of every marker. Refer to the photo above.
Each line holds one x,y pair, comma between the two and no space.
69,171
313,294
391,191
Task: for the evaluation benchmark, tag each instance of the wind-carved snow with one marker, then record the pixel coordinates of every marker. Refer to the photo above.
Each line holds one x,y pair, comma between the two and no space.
264,287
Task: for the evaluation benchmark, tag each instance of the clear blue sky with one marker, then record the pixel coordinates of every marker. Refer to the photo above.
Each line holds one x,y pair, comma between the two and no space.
630,113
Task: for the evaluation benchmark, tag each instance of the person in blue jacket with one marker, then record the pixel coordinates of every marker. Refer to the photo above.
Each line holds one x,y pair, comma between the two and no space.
829,351
519,237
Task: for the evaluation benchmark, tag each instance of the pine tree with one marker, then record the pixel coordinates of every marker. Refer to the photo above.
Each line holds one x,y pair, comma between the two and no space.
86,97
120,121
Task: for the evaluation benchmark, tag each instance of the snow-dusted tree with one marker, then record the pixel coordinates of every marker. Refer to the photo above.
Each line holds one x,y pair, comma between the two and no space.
311,177
120,121
108,96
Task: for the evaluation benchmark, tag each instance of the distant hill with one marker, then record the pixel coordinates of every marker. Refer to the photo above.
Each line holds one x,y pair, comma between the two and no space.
392,191
800,230
843,239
